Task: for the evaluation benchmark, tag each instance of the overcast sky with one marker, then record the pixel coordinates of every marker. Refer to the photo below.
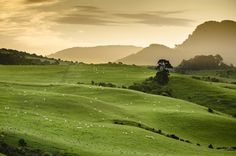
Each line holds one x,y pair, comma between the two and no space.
46,26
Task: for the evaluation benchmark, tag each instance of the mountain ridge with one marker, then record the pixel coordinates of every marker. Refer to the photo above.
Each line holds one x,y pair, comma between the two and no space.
103,54
203,41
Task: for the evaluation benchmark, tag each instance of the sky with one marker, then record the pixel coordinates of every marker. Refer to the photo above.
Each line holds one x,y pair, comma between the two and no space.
47,26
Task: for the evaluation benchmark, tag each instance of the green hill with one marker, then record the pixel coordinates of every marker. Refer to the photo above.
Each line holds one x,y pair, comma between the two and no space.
15,57
45,106
219,96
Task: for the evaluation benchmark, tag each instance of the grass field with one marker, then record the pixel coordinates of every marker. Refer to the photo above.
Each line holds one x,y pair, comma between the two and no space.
45,106
83,73
218,96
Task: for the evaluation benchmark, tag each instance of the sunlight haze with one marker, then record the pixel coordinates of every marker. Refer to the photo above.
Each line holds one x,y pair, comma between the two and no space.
47,26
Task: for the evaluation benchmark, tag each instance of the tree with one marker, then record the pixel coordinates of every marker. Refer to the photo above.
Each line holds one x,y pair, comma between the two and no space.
218,59
162,75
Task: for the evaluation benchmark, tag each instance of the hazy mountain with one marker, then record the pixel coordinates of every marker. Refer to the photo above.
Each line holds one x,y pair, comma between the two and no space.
209,38
99,54
212,38
151,54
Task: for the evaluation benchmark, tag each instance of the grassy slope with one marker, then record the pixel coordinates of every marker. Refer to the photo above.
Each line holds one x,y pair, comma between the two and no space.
78,118
219,96
227,76
220,73
117,74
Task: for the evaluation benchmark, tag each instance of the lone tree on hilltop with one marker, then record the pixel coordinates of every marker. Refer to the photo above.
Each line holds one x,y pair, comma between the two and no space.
162,75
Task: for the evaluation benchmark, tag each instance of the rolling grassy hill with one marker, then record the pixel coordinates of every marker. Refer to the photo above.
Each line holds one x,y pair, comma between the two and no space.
45,106
219,96
82,73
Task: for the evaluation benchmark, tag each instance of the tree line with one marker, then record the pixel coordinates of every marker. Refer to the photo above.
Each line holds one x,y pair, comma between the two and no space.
203,62
14,57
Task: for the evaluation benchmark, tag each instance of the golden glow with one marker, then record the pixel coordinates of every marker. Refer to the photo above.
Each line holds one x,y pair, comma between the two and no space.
46,26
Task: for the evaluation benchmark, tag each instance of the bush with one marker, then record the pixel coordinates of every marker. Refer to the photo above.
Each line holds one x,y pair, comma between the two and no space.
210,146
124,87
196,77
22,143
173,136
103,84
213,79
152,87
80,83
207,78
210,110
187,141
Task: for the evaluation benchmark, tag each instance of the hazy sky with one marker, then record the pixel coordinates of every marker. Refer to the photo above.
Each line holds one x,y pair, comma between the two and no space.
46,26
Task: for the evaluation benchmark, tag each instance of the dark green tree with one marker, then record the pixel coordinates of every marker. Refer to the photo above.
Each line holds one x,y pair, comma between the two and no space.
162,75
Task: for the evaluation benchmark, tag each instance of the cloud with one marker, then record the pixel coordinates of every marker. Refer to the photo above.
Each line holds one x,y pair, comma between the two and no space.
91,15
85,15
159,18
83,19
90,9
38,1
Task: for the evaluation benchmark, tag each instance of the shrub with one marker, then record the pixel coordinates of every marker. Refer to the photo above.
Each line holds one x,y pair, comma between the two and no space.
103,84
173,136
151,86
80,83
124,87
210,110
210,146
187,141
22,143
196,77
213,79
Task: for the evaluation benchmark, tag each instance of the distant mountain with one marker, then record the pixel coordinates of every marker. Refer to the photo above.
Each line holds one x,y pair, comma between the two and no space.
209,38
212,38
151,54
99,54
14,57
